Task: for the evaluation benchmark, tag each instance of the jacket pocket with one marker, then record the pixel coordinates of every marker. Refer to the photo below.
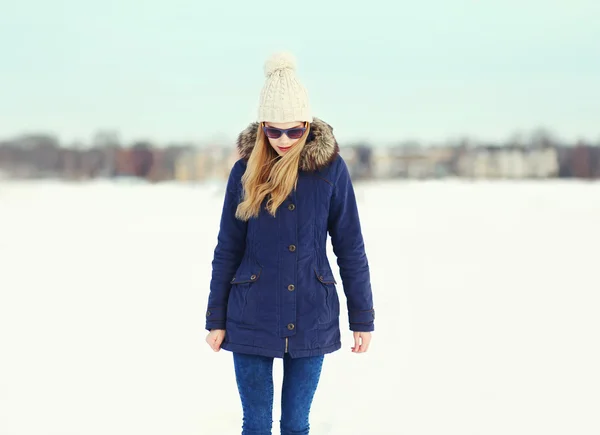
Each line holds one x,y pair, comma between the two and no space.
242,305
331,307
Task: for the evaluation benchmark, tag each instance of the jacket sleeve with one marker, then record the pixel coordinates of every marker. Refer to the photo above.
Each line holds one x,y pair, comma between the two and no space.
231,244
348,246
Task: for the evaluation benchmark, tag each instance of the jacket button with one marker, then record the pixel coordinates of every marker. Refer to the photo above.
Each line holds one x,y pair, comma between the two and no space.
290,326
321,278
233,279
291,287
291,207
253,277
292,248
208,313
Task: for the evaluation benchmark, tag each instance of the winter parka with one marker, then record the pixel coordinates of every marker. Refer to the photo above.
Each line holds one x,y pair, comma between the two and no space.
272,287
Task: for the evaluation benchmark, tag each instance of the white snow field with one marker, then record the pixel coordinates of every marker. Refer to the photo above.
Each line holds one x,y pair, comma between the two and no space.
487,297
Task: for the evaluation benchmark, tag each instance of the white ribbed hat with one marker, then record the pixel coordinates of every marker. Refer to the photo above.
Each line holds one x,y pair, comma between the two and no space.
283,98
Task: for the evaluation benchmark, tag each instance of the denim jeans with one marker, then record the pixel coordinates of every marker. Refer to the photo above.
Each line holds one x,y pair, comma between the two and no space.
254,377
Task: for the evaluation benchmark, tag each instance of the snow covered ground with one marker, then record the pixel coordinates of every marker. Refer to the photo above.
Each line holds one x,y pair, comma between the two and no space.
487,298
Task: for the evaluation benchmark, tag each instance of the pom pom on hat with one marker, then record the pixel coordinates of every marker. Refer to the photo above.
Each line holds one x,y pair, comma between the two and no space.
280,61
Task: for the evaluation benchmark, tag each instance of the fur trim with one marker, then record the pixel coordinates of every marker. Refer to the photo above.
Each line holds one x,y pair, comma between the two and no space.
320,150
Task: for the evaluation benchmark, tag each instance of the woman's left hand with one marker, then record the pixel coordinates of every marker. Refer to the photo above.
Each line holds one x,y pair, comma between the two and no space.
361,342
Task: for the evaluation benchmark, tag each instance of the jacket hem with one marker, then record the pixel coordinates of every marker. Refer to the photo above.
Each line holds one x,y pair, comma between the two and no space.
295,353
252,350
300,353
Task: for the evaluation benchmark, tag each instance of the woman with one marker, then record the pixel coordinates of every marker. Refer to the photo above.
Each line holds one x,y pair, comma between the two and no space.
272,292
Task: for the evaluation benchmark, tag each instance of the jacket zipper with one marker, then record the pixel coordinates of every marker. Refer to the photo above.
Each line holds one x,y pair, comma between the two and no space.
286,344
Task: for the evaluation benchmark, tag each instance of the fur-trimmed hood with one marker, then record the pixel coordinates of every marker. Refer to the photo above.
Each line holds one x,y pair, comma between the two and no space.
321,146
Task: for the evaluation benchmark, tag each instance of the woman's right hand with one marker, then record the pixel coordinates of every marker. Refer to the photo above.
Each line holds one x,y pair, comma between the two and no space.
215,338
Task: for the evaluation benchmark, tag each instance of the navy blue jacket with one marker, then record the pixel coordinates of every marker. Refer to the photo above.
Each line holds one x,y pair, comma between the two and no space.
272,287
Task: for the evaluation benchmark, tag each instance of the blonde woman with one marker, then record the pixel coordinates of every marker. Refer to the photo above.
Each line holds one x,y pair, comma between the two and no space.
272,292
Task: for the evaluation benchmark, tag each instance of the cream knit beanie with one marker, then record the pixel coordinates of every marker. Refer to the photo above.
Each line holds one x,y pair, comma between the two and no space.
283,98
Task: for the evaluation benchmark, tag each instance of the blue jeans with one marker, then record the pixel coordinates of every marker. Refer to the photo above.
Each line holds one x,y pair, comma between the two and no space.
254,377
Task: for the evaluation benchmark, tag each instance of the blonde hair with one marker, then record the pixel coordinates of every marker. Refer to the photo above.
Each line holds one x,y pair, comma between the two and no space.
269,176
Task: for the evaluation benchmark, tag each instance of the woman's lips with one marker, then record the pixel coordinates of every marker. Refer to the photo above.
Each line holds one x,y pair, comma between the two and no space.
284,149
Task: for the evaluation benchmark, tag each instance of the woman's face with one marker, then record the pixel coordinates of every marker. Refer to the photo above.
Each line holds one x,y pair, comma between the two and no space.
283,143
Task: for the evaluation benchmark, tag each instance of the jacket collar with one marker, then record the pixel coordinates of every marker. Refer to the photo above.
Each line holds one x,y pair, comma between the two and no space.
321,146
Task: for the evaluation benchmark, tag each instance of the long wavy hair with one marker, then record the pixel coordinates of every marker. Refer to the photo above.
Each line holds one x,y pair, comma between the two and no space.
269,175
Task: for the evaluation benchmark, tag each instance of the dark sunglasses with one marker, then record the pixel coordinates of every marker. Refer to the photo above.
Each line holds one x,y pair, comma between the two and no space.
292,133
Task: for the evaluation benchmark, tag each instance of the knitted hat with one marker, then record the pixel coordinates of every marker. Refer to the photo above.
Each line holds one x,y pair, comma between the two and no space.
283,98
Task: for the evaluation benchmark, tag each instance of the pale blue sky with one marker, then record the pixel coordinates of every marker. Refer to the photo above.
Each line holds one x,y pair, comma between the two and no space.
181,69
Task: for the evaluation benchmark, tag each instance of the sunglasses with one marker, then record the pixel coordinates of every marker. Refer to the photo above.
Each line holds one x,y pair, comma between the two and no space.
292,133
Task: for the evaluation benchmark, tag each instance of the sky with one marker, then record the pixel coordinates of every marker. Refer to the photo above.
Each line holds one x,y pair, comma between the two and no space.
382,71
